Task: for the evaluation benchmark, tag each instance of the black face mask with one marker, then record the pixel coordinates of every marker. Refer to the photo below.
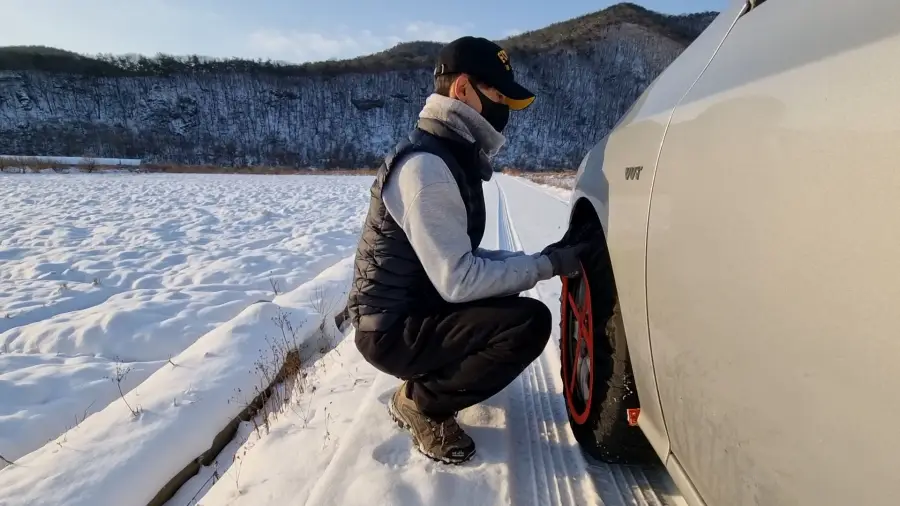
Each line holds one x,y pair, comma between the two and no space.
495,113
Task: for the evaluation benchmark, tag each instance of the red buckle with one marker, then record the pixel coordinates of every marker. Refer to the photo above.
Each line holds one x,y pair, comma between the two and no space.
632,415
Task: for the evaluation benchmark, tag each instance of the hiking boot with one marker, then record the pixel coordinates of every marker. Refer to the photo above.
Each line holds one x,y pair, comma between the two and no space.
443,441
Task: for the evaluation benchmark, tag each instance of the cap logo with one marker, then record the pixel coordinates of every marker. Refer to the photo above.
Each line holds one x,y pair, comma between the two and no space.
504,58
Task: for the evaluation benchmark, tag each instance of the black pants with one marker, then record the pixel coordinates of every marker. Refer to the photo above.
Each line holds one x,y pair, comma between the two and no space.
461,354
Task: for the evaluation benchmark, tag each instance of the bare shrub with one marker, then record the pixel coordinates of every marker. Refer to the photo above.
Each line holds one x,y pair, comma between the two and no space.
64,437
284,370
214,477
8,164
327,432
89,165
121,373
325,305
322,302
84,414
274,283
564,181
280,373
40,165
237,463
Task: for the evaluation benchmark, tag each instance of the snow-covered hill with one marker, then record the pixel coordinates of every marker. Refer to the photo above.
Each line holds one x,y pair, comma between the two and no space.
346,118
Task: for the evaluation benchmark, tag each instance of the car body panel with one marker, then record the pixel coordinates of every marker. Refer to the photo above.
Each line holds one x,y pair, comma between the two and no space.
688,491
622,204
773,261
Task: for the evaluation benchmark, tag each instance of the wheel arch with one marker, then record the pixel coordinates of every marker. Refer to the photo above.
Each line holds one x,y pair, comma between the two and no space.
585,223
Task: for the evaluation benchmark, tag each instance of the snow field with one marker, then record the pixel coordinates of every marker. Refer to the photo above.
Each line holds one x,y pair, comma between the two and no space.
127,452
99,272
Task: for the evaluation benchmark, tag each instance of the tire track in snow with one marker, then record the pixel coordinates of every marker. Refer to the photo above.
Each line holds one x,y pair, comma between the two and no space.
535,419
523,414
612,485
559,457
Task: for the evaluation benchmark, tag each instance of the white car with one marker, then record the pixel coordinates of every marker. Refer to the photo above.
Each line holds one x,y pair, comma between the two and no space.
740,316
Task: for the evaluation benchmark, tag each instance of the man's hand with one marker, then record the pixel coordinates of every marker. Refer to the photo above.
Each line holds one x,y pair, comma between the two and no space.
565,259
551,247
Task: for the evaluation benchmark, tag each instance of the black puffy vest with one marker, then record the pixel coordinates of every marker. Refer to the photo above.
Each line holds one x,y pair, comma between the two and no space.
389,281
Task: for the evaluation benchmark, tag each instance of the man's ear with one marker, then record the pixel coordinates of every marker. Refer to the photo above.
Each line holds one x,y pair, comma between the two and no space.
459,88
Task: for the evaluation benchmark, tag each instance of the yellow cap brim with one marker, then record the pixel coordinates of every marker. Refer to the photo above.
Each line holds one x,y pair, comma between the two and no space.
518,105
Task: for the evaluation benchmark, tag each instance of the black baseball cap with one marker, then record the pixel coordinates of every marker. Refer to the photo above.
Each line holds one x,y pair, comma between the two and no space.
488,63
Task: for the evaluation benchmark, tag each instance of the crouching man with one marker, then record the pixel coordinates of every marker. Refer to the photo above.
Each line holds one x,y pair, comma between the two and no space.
429,305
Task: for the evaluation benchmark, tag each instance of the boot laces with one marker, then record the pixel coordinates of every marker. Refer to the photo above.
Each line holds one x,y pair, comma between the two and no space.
449,431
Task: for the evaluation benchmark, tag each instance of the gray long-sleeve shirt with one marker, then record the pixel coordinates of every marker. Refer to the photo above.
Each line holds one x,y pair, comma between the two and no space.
423,198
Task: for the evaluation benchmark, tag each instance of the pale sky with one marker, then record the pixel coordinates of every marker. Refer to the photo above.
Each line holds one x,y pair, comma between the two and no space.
291,30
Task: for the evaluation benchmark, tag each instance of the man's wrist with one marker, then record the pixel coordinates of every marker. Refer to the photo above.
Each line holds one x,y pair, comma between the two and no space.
545,267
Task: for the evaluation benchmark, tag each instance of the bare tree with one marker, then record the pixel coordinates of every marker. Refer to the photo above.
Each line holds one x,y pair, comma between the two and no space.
89,164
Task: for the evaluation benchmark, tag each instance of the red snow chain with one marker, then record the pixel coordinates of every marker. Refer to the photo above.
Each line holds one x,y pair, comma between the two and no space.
583,316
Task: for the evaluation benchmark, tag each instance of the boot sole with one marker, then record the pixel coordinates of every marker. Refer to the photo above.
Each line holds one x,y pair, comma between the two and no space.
437,458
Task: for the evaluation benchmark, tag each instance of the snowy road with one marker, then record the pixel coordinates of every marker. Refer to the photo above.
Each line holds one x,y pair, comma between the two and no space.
337,445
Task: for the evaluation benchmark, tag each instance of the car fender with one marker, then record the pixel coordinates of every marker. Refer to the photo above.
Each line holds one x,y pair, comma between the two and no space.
614,183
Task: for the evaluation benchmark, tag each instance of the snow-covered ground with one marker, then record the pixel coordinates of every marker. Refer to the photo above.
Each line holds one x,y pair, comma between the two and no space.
107,273
332,443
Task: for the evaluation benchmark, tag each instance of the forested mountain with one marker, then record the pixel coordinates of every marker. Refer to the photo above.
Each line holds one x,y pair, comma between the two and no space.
195,110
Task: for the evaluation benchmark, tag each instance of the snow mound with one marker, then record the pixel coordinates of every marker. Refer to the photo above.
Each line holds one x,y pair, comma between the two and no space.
126,453
37,389
137,325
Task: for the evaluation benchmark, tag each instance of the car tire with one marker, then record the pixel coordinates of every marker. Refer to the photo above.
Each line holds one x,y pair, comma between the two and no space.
599,417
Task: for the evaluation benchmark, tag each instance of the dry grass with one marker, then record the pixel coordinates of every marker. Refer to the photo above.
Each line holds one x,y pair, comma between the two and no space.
285,380
564,179
280,373
22,165
88,165
214,169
